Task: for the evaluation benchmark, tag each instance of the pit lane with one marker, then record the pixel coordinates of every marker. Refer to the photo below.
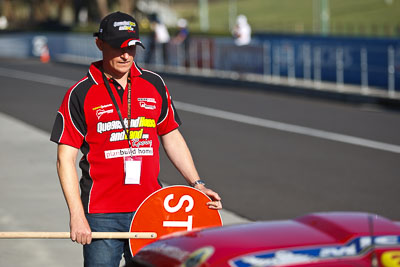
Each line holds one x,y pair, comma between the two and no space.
261,173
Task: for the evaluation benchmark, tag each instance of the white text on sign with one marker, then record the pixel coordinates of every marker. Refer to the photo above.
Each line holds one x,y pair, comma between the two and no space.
189,223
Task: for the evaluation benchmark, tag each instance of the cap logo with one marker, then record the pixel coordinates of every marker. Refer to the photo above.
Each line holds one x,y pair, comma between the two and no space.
118,30
125,25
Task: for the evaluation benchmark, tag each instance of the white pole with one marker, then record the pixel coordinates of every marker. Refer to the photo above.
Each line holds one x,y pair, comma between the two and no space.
181,60
203,9
316,17
391,72
307,62
339,68
364,70
276,62
232,13
267,60
193,54
325,17
205,55
158,56
317,66
291,65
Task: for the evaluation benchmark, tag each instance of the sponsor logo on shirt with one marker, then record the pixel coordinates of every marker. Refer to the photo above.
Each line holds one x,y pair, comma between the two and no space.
119,134
146,103
103,109
101,112
123,152
148,99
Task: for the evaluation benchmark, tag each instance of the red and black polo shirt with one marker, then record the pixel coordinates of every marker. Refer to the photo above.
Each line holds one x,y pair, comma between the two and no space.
88,120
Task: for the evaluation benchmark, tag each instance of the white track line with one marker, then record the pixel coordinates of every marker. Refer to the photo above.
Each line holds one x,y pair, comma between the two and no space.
35,77
216,113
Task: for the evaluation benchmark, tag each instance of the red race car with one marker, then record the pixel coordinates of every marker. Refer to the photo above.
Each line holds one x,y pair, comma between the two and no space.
319,239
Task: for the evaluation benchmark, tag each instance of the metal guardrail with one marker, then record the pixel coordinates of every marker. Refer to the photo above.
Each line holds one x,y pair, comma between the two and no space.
364,69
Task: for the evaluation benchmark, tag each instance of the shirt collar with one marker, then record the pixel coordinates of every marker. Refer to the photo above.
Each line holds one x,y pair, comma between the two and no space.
96,73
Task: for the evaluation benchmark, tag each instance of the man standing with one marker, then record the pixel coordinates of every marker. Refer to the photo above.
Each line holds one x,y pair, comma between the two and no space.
116,116
159,40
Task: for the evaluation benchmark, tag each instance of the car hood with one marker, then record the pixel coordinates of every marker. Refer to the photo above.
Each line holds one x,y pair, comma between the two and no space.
327,235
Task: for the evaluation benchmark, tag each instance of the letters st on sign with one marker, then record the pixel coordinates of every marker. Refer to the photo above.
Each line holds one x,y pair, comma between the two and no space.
172,209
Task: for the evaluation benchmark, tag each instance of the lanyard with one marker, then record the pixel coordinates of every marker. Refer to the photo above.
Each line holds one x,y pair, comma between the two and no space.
127,131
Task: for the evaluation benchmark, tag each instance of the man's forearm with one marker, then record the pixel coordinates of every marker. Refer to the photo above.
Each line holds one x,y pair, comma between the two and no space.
79,227
179,154
69,178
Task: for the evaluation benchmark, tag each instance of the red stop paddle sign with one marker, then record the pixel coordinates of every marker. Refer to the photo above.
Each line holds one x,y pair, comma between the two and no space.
172,209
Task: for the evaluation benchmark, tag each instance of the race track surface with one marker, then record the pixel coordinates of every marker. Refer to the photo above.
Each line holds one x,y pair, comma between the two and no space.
269,156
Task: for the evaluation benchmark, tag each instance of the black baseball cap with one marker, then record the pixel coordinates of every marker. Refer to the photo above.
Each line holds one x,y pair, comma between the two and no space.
119,30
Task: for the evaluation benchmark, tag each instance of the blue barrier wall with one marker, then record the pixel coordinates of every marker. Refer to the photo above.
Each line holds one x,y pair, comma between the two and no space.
359,61
377,54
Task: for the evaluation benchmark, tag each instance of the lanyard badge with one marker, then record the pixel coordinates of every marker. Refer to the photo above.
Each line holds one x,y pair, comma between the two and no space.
132,164
132,169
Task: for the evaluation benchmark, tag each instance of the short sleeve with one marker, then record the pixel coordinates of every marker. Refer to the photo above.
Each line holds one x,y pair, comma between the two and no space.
70,127
169,119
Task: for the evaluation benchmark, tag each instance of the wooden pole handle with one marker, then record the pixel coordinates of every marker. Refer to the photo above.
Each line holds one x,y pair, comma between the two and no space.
66,235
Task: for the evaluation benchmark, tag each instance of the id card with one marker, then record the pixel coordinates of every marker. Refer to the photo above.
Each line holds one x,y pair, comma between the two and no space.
133,167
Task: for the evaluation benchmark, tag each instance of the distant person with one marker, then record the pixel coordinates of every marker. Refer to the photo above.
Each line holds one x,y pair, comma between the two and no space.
159,38
3,22
242,31
152,40
182,39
